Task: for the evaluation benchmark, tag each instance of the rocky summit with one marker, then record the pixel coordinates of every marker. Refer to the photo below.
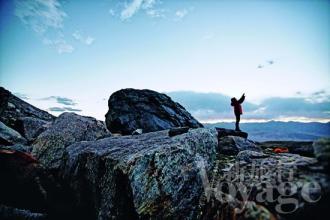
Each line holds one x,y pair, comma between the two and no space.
131,109
151,160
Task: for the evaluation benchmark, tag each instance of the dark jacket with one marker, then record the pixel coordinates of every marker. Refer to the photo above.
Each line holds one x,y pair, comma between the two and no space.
237,105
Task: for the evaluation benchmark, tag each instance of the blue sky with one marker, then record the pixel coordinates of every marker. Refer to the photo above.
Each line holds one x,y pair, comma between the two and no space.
274,51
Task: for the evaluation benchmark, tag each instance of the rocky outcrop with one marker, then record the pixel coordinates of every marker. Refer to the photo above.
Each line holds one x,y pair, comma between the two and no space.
232,145
81,171
222,132
12,108
9,136
147,176
67,129
256,185
131,109
31,127
322,151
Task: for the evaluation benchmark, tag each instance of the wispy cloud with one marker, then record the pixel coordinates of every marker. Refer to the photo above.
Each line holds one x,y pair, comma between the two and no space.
59,44
61,100
63,109
40,15
45,17
156,13
181,13
88,40
112,12
318,97
265,64
131,8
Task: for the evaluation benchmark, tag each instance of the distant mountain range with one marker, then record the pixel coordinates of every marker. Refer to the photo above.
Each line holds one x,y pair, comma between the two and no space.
284,131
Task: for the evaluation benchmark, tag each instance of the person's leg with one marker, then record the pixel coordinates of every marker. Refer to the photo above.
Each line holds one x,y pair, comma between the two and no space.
238,118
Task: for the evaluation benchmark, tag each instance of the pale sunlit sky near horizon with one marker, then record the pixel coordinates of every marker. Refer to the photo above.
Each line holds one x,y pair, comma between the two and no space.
277,52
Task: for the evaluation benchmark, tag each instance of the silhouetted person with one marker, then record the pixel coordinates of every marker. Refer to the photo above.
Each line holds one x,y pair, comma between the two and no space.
238,109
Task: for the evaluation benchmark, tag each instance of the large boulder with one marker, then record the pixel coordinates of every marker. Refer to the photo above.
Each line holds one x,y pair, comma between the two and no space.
147,176
131,109
67,129
9,136
12,108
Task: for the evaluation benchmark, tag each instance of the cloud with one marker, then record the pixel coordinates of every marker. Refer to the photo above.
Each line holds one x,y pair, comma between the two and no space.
46,18
156,13
40,15
181,13
267,63
21,96
61,100
85,40
59,44
112,12
216,106
63,109
130,9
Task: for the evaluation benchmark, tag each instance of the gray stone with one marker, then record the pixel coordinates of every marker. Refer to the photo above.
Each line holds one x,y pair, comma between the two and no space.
150,175
9,136
322,151
31,127
12,108
67,129
249,155
130,109
232,145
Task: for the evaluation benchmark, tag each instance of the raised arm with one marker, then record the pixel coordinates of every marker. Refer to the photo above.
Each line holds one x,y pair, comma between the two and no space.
241,100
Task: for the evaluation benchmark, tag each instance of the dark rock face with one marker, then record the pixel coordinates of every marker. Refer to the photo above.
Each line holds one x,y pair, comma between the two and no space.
147,176
21,184
9,136
12,108
222,132
31,127
131,109
177,131
67,129
10,213
232,145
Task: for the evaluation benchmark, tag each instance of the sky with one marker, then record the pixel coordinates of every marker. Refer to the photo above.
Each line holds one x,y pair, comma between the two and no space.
72,55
